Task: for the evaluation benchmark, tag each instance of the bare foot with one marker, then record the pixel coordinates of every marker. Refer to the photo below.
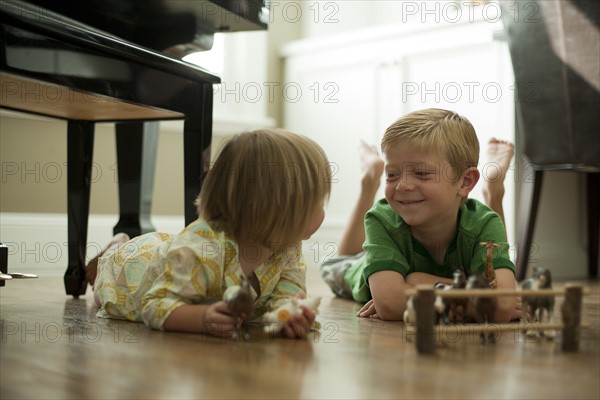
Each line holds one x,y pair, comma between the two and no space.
372,167
91,269
499,155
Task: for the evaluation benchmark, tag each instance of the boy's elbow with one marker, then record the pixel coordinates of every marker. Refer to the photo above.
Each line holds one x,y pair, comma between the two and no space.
502,316
506,310
389,311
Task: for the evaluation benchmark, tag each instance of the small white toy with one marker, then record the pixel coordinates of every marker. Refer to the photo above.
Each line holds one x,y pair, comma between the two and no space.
275,320
409,316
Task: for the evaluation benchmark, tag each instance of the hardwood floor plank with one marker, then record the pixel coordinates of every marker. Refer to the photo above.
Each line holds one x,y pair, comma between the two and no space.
53,346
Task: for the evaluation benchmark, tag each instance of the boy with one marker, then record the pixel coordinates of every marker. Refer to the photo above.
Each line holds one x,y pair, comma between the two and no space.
426,226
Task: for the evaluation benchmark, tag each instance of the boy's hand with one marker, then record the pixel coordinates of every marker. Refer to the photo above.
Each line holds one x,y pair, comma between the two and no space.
368,310
299,326
517,313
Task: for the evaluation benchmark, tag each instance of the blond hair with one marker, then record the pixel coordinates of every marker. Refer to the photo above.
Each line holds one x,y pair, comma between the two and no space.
264,186
449,134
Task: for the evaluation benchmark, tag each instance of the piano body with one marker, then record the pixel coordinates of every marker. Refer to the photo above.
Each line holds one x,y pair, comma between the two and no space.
117,61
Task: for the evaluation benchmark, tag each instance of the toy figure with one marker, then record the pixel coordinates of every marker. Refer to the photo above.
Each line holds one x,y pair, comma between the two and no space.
275,320
447,307
539,308
409,313
490,274
441,304
240,300
483,308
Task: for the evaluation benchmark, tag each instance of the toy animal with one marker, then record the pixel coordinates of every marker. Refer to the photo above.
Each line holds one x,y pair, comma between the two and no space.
440,305
409,316
540,308
490,274
275,320
240,300
483,308
447,307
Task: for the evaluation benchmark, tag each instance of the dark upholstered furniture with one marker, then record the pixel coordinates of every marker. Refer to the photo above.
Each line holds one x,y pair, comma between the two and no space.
555,51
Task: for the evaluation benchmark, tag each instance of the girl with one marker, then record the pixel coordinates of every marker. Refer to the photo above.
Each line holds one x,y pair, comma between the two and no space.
264,194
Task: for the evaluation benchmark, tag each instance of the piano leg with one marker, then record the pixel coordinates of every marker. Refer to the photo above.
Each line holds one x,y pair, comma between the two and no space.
80,147
197,138
136,161
593,198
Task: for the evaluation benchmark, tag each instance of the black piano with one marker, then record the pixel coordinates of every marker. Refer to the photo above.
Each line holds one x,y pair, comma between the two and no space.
119,61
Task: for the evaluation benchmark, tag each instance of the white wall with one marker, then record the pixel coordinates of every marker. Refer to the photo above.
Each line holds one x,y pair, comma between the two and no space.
560,235
358,81
355,83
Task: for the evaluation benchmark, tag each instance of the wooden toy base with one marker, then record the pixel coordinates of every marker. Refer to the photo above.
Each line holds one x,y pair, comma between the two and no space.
424,297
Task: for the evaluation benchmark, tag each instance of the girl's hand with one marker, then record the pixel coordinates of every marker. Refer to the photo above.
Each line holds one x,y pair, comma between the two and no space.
299,326
218,320
368,310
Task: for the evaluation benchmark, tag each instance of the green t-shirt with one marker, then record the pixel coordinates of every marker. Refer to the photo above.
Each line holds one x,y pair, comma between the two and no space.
389,245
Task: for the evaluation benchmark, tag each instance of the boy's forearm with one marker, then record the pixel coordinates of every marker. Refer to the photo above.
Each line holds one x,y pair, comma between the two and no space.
504,314
506,309
388,290
421,278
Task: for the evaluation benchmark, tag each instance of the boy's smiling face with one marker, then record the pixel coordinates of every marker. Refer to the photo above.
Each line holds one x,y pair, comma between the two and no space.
421,187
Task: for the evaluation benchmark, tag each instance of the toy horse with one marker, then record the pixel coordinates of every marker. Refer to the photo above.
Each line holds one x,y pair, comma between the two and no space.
539,308
447,307
483,308
240,301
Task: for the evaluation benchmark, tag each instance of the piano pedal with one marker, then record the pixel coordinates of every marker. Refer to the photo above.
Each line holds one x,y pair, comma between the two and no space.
4,277
19,275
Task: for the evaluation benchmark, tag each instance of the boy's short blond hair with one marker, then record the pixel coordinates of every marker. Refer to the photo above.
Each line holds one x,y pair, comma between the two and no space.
446,132
264,186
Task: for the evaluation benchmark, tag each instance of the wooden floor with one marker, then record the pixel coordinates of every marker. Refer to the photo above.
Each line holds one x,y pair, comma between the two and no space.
54,347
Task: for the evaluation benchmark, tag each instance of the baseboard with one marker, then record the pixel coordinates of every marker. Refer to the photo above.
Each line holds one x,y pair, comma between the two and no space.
37,243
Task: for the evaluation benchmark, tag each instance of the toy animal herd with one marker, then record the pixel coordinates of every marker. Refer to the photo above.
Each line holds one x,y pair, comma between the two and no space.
481,309
448,310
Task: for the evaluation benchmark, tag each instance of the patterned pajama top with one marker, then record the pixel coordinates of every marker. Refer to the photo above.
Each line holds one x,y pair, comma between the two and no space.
148,277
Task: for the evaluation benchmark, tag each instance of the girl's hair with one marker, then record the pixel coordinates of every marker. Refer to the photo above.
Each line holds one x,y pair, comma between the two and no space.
264,186
443,131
